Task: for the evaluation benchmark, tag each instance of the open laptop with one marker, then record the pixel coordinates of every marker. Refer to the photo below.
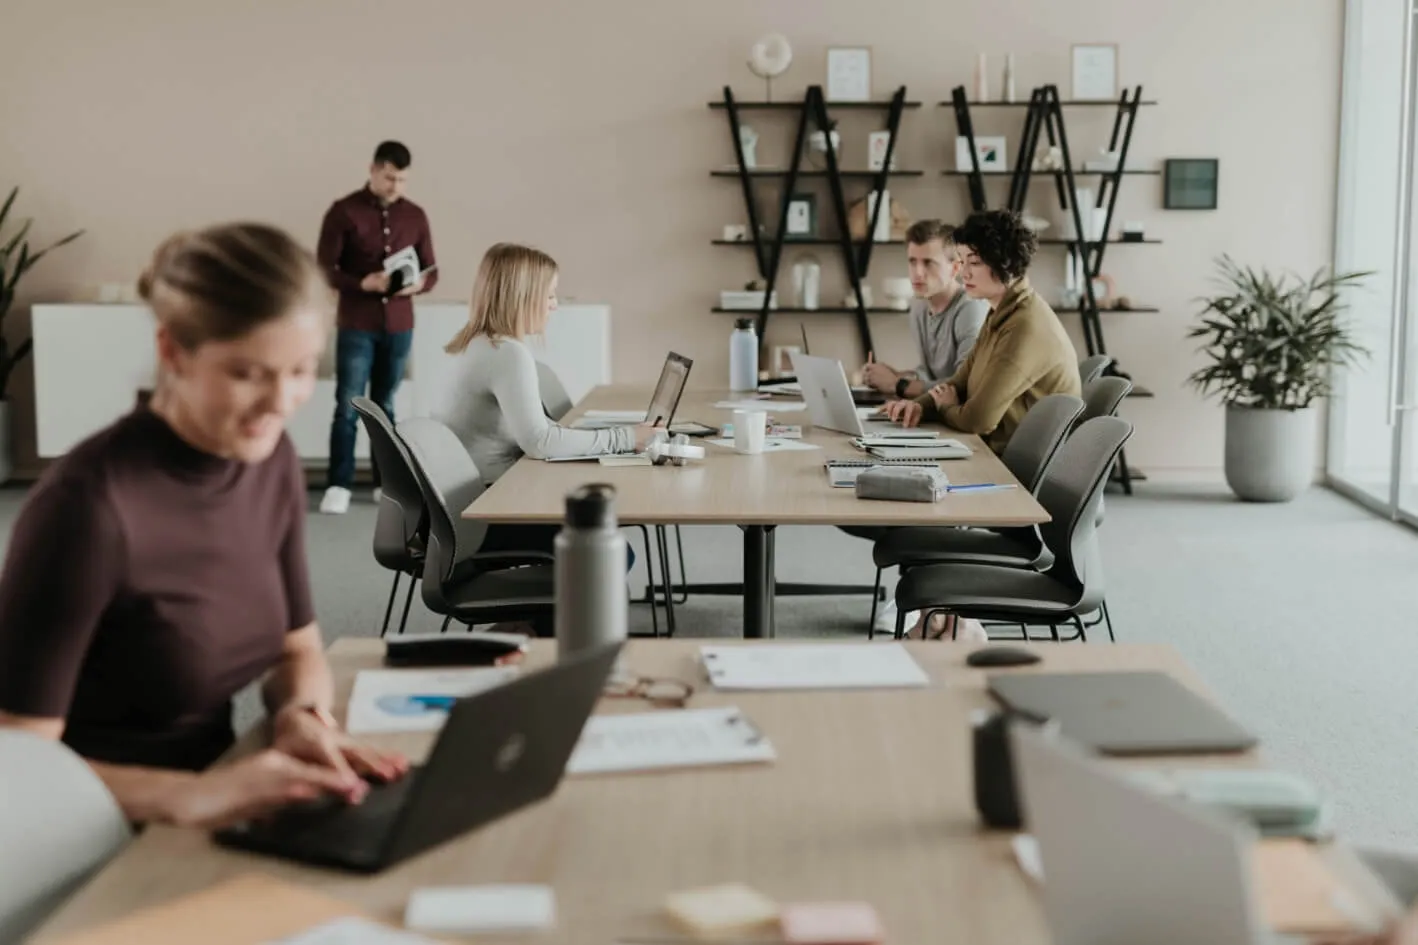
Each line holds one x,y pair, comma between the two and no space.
830,405
498,751
1124,865
788,385
1145,713
663,402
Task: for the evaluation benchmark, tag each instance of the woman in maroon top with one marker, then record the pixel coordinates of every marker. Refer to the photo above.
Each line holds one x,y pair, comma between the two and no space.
159,567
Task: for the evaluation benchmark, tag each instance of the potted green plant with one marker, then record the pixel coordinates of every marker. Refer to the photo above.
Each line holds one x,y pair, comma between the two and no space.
16,259
1272,343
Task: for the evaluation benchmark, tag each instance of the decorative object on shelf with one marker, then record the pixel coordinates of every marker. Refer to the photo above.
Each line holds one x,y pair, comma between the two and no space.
16,259
1105,163
748,143
769,58
735,232
817,145
849,74
1007,87
1037,224
807,282
1095,72
1273,343
1104,291
982,80
882,233
1095,218
1134,232
802,217
1122,303
991,149
1050,160
1189,183
850,299
878,143
898,292
746,300
859,213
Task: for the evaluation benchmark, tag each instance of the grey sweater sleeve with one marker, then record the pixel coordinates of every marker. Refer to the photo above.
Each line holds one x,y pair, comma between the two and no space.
513,382
968,322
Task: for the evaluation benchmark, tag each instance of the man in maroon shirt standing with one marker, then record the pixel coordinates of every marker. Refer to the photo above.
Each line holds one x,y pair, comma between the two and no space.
376,319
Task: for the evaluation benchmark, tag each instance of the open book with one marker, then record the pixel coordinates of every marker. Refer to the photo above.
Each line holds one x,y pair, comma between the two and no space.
403,269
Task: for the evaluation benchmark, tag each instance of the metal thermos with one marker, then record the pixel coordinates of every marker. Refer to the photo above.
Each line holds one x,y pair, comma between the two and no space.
592,601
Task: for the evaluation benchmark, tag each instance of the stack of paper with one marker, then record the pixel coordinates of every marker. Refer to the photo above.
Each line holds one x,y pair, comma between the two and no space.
649,740
812,666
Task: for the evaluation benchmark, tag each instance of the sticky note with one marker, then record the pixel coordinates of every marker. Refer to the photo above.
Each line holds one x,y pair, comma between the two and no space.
718,910
465,910
831,923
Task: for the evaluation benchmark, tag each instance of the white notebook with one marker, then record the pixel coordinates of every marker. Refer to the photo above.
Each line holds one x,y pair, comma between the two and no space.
812,666
684,738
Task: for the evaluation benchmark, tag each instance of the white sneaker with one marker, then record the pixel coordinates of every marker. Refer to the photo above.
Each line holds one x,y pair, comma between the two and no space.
378,495
336,501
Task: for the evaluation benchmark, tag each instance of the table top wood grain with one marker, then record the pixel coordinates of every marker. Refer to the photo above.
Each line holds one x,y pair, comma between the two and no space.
771,488
870,798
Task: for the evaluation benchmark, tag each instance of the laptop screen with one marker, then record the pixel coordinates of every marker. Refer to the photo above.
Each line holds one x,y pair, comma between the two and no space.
668,389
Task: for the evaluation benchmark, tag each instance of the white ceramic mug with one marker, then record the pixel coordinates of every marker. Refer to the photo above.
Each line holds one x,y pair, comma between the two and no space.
750,430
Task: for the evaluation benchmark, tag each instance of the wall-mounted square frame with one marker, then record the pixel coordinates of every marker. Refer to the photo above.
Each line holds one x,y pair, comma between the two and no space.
801,223
1190,183
1095,72
848,74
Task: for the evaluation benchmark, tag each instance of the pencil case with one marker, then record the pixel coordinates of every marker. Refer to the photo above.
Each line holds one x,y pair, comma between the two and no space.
902,484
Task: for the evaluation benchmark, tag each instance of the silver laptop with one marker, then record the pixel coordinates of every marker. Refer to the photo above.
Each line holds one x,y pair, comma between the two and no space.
663,402
1144,713
1113,868
830,405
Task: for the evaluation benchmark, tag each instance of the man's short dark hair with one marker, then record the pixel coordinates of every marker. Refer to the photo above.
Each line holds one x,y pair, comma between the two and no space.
1001,240
392,152
923,231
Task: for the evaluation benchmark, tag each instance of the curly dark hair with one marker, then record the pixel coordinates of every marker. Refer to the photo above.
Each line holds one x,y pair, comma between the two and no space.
1001,240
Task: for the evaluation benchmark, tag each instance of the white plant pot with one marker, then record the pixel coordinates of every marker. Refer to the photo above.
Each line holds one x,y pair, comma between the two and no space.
1270,454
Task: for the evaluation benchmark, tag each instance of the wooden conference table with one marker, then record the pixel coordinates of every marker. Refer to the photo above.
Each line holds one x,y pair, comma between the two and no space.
757,493
870,799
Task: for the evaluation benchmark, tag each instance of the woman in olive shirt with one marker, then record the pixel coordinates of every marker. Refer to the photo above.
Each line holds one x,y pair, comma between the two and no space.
159,567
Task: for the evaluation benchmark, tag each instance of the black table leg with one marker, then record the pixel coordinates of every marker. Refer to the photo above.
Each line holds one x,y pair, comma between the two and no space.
757,582
770,565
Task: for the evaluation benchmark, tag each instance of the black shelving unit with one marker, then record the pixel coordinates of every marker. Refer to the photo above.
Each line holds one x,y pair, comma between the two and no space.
812,110
1045,116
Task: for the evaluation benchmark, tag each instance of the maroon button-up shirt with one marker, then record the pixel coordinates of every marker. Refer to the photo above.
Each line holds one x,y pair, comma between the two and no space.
357,234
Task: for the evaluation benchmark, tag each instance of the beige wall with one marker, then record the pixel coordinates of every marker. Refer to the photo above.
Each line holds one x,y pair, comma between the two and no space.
581,126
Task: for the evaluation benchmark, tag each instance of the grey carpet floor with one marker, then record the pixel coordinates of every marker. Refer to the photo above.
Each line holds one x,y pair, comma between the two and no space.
1301,617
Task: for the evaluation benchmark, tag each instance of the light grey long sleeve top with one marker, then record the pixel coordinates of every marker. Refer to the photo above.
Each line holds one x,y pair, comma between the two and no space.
494,405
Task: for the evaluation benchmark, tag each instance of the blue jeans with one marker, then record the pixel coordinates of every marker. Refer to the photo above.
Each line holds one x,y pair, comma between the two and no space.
363,359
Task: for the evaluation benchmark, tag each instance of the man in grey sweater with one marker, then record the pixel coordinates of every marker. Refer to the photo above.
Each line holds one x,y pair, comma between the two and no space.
944,319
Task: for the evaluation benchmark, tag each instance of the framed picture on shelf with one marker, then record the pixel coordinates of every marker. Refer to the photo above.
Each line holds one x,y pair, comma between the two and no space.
877,144
848,74
1189,183
1095,72
802,217
991,149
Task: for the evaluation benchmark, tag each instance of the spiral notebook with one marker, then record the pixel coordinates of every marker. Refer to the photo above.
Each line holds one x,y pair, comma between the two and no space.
843,473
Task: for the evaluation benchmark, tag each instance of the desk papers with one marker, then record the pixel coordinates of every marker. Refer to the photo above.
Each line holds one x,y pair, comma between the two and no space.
683,738
812,666
405,700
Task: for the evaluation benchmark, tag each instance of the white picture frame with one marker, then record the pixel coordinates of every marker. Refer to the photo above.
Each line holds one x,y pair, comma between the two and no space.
848,74
1095,72
993,151
877,144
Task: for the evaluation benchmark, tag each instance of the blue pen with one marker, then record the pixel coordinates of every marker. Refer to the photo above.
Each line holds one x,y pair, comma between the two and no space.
980,487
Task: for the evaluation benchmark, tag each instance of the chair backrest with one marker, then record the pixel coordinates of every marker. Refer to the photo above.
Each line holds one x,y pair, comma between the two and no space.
1102,396
1037,438
1092,367
1071,492
58,823
555,401
450,481
402,521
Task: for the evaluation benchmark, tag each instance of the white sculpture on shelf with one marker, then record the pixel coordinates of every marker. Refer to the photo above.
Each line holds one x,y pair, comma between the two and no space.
770,58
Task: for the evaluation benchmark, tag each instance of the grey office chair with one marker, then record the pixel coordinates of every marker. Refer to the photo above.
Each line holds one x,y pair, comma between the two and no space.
58,824
459,582
555,401
1102,397
1092,367
1028,456
401,524
1071,586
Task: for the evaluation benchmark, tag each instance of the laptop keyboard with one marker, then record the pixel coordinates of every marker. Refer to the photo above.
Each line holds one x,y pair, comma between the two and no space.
347,831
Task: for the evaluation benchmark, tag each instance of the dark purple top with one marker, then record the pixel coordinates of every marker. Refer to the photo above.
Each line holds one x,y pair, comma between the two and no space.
358,233
145,584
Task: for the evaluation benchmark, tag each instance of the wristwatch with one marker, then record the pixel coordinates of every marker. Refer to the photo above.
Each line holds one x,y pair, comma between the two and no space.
902,383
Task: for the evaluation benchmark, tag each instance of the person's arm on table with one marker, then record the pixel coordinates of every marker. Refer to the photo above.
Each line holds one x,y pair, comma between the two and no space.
982,411
62,570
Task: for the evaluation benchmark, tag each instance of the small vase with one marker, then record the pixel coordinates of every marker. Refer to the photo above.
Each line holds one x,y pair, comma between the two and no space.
1007,89
982,83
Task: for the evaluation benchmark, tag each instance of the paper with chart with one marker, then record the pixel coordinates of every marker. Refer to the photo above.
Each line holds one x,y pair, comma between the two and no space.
812,666
415,700
353,931
686,738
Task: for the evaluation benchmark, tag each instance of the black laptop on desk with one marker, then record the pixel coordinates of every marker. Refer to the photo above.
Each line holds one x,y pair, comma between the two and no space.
499,751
